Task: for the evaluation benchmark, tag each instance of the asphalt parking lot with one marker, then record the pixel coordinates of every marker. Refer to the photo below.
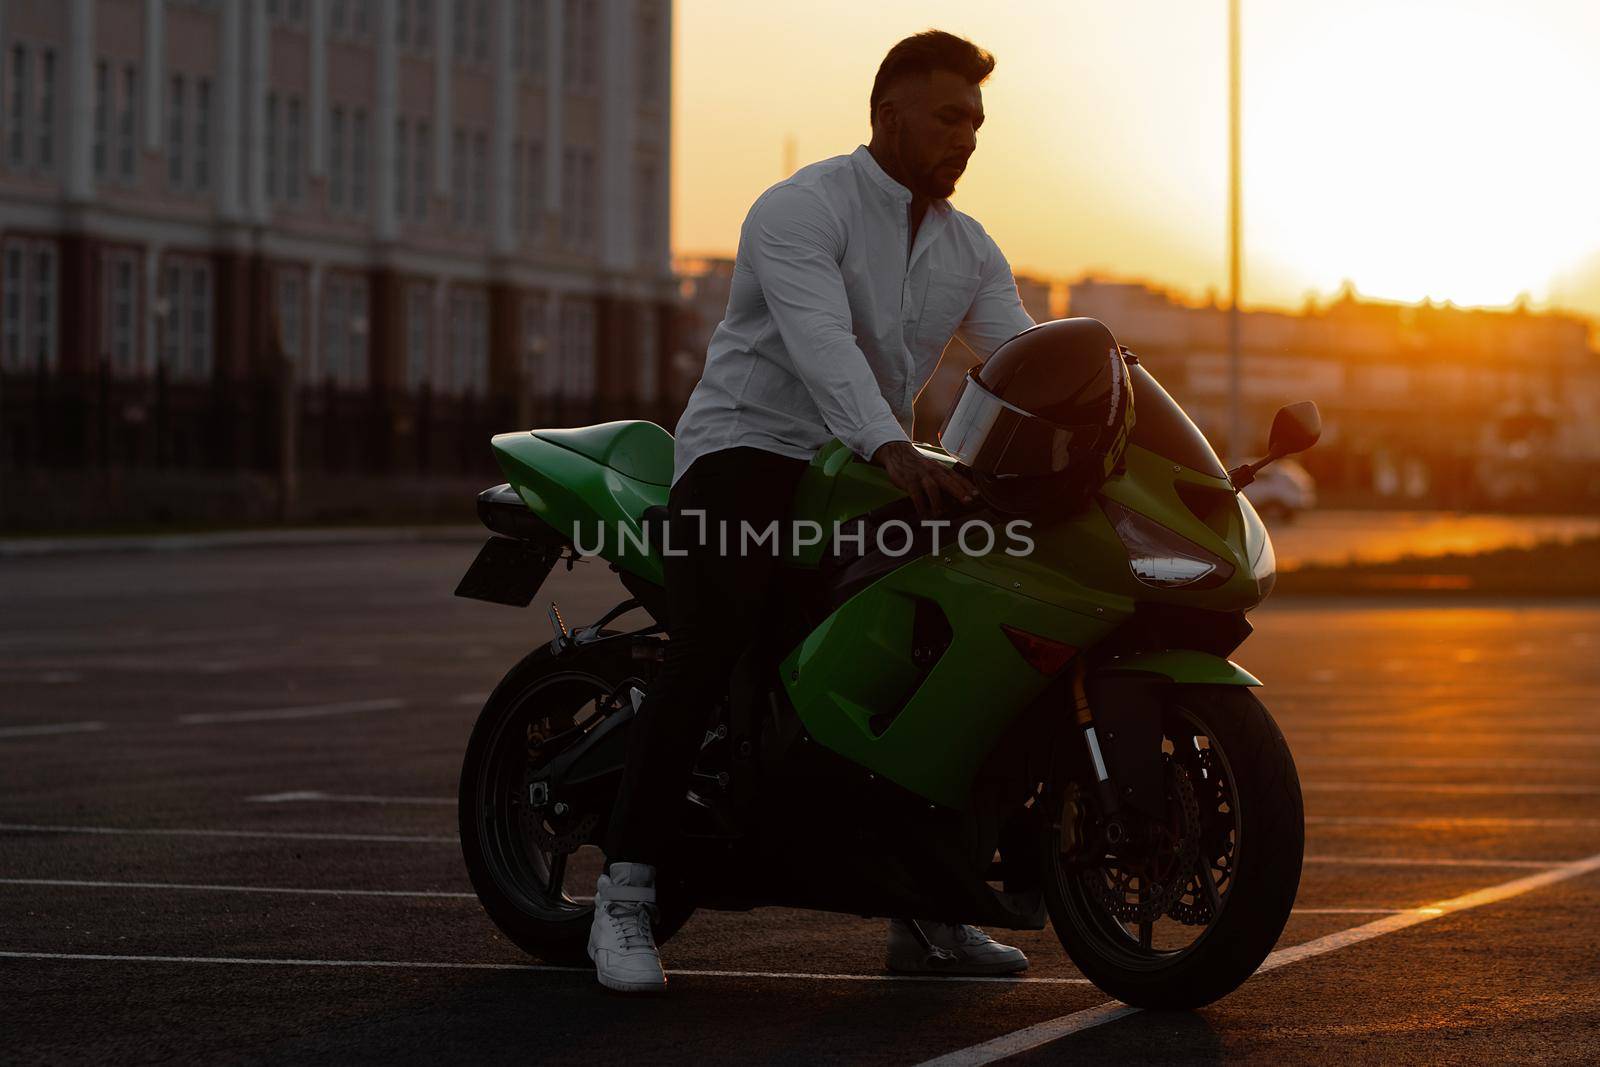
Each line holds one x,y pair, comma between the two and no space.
227,833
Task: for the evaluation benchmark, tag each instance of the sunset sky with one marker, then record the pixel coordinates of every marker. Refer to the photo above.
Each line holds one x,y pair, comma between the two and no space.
1420,148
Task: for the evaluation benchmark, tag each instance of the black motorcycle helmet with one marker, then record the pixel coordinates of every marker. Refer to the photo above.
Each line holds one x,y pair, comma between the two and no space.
1044,421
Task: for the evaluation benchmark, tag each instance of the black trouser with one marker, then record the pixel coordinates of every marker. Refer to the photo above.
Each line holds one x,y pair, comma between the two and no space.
717,603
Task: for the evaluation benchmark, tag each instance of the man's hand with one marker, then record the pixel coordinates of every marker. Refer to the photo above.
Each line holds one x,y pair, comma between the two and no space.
925,480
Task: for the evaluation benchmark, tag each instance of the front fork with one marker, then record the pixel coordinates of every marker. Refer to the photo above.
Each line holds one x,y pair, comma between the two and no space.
1114,830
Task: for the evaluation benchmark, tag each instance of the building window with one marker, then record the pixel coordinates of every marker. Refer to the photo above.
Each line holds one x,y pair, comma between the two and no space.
423,35
292,322
468,370
270,157
200,359
646,342
344,332
28,303
119,287
418,300
175,123
128,123
577,349
527,37
422,185
338,16
102,117
581,57
540,368
651,50
294,149
186,327
458,177
402,167
402,22
202,134
579,199
47,108
647,196
336,158
480,30
19,106
529,192
480,179
358,163
458,31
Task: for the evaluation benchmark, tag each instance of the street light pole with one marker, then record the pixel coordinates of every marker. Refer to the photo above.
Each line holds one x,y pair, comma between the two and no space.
1236,442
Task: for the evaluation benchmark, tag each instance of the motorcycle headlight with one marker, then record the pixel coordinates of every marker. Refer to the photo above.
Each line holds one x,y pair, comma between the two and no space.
1161,558
1258,547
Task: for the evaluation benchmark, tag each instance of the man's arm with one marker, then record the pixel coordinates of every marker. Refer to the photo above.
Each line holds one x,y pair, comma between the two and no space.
794,248
996,314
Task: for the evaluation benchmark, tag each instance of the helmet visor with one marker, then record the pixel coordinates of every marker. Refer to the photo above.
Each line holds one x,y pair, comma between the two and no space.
994,437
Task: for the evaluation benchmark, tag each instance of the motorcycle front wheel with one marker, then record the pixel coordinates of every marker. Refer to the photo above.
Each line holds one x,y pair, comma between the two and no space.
1188,914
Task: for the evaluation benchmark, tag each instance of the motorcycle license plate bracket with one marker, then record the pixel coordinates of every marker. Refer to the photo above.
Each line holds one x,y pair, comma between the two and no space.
508,571
1127,717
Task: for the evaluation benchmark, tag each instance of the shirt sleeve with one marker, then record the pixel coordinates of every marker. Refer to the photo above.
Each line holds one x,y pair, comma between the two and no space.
794,245
996,314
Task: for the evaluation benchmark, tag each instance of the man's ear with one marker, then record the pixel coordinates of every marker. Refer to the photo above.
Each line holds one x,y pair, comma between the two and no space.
887,119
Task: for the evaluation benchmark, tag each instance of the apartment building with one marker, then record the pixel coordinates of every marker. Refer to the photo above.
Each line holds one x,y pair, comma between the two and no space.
423,221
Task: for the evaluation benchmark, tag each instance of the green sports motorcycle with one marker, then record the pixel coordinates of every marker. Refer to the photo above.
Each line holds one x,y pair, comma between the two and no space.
957,733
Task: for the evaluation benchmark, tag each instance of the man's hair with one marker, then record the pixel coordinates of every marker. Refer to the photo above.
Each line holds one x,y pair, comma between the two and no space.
928,51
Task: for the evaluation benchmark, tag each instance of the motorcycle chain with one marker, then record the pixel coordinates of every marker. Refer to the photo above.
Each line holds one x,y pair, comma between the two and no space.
1110,885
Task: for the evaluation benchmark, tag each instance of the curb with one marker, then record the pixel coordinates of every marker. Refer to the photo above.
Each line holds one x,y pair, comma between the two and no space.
25,547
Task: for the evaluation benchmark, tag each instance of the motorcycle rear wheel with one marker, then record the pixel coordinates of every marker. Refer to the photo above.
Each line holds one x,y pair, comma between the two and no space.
1252,821
520,881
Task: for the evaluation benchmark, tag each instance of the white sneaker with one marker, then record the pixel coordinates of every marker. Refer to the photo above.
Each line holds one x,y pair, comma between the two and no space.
949,949
620,940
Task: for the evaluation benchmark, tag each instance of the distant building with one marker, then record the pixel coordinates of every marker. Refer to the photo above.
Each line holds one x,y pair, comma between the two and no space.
449,217
1433,402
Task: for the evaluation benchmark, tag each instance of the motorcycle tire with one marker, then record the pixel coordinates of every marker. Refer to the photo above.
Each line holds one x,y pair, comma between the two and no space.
1263,871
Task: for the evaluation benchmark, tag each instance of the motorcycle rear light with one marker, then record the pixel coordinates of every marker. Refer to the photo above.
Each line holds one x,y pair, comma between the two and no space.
1162,558
1043,654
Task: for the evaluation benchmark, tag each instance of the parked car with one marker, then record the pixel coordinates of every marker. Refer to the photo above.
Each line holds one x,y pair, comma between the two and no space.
1282,491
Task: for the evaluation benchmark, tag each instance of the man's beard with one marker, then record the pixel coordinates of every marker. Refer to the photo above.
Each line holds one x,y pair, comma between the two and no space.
928,182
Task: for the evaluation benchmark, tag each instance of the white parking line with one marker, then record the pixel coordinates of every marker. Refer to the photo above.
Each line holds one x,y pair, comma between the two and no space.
52,728
285,835
310,711
1495,763
1452,822
1488,789
77,883
471,698
1044,1033
83,883
346,798
537,967
1433,861
1433,737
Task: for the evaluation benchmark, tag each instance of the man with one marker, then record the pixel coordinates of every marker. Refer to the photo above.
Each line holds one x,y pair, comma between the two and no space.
850,279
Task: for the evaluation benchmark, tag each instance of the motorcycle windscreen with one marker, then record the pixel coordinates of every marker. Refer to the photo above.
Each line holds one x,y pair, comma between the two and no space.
1162,427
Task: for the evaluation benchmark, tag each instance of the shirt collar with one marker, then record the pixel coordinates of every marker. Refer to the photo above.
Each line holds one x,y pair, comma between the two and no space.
869,166
864,161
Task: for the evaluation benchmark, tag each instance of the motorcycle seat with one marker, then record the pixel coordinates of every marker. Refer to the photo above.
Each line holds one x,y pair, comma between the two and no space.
633,447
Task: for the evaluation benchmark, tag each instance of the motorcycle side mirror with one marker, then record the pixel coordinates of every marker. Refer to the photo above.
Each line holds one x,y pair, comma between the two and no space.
1295,428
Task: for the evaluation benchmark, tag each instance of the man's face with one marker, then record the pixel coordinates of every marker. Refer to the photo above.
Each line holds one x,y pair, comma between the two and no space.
936,130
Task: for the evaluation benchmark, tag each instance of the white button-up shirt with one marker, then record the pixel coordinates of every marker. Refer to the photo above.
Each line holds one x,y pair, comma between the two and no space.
832,328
